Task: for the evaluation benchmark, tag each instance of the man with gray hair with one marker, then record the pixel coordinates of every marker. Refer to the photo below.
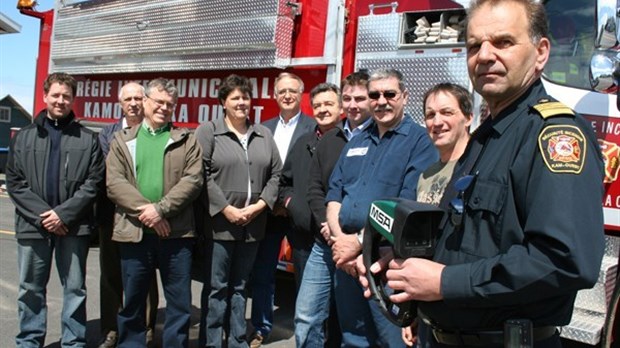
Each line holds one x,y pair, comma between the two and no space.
130,98
525,226
154,173
384,161
290,124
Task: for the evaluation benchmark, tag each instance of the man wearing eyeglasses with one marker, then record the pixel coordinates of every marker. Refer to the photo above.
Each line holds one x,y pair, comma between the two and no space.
384,161
130,97
526,227
154,173
286,128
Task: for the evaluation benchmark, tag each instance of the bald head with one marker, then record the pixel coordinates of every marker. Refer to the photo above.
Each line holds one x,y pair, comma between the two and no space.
131,97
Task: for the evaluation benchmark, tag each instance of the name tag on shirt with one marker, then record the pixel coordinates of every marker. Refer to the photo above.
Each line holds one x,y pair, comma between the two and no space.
358,151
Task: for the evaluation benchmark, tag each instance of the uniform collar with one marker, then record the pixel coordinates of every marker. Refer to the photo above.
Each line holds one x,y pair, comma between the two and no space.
519,107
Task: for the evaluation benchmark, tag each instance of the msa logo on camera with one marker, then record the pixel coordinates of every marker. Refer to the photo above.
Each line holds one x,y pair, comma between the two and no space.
381,218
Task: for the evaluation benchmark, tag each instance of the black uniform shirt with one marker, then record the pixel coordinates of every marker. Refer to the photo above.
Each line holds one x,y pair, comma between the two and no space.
532,231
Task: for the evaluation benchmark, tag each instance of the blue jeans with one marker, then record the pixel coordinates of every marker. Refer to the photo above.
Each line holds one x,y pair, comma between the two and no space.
34,261
264,281
138,264
231,264
111,284
314,297
361,320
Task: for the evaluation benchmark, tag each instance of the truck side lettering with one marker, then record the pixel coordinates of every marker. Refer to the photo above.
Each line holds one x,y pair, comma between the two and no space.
102,110
90,88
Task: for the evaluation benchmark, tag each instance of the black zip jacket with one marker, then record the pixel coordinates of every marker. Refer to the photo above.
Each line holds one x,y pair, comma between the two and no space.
82,170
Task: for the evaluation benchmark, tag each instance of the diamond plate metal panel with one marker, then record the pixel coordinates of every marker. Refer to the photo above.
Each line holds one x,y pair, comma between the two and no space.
110,36
378,33
421,71
597,299
612,246
591,304
584,327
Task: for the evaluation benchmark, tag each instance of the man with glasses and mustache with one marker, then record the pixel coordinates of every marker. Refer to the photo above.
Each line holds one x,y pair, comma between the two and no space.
154,173
384,161
526,223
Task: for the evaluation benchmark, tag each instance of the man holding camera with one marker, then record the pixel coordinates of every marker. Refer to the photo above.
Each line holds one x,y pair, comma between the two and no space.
385,160
525,227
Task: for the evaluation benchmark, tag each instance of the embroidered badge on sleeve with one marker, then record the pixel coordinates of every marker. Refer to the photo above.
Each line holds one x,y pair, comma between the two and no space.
563,148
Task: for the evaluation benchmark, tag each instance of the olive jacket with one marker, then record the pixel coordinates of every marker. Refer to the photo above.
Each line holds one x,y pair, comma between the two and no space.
183,180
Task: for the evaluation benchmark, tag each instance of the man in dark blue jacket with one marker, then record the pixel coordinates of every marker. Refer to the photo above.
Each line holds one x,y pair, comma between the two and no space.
53,173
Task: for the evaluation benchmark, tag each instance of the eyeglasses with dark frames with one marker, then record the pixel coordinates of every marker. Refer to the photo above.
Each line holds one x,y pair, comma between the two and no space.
388,95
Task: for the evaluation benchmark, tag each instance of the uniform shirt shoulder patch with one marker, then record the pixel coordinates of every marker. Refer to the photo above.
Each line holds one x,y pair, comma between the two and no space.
563,148
546,109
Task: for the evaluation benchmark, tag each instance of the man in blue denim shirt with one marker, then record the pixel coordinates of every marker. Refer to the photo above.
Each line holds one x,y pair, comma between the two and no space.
384,161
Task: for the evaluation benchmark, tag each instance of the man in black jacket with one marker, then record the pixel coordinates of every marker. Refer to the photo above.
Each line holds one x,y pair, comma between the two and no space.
326,104
313,307
53,172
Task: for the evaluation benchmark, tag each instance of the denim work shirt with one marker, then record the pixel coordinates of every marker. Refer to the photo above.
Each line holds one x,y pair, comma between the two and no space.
372,168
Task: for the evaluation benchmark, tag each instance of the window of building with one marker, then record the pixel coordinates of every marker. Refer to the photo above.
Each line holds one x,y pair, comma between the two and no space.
5,114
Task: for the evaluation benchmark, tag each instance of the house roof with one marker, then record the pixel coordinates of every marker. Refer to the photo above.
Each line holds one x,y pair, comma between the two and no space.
8,26
17,105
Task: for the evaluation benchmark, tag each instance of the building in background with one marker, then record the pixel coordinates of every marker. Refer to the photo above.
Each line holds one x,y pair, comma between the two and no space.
12,116
11,113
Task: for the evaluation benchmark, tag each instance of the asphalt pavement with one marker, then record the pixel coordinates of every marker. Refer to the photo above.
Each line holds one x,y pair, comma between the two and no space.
282,335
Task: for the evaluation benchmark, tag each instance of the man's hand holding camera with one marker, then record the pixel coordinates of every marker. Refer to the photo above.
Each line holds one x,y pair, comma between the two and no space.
411,279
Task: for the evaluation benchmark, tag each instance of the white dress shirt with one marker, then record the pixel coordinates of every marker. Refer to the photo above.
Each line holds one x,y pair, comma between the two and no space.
284,134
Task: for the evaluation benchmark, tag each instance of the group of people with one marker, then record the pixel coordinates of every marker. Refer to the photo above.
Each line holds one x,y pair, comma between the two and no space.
522,194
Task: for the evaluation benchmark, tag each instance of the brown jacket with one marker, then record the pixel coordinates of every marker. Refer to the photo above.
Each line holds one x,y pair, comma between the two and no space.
183,180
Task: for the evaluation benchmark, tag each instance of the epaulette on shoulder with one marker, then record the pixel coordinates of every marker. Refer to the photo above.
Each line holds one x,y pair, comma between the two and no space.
547,108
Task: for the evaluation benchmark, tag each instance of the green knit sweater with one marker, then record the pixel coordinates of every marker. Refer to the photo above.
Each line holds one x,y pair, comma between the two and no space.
150,148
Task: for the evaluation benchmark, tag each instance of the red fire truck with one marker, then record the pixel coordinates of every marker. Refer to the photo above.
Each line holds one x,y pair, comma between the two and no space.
105,43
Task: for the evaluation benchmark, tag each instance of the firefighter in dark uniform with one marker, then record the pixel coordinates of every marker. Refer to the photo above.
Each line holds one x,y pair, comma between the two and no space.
525,226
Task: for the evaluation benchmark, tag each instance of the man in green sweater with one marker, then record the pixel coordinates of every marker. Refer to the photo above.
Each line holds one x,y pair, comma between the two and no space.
154,173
